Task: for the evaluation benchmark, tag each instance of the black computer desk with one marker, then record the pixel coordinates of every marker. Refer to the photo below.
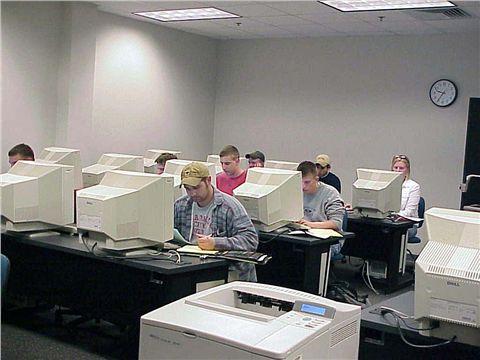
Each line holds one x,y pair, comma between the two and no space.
60,270
380,338
381,240
298,262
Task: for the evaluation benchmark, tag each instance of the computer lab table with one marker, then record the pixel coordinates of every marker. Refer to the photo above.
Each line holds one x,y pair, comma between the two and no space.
384,241
60,270
300,262
380,337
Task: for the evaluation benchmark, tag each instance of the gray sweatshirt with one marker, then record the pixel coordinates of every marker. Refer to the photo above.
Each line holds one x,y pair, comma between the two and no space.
325,204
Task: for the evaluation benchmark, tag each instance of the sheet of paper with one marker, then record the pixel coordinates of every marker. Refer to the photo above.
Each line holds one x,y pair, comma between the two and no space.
194,249
323,233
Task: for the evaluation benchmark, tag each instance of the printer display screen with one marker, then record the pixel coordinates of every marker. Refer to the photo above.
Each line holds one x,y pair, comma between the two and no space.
312,309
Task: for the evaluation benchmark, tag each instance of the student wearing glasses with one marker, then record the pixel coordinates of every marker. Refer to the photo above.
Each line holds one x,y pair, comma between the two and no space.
410,190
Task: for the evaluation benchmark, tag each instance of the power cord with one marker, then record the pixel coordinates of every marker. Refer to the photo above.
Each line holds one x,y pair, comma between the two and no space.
155,255
400,317
369,282
275,237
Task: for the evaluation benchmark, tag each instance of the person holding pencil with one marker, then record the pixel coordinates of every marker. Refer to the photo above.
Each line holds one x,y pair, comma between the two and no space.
214,220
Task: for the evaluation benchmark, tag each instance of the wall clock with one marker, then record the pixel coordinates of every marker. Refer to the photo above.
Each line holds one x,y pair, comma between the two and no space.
443,92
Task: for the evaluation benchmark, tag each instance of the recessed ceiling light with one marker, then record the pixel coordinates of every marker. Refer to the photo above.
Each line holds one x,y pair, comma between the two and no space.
207,13
377,5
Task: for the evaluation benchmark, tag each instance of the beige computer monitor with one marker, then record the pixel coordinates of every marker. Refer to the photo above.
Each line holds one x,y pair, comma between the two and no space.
272,197
447,281
36,196
151,156
127,210
174,168
215,159
93,174
285,165
64,156
377,193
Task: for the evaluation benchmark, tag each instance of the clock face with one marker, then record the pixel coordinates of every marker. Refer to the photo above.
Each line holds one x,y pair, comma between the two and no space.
443,92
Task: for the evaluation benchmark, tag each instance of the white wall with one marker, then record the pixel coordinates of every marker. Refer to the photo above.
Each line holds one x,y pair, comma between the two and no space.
359,99
123,85
154,88
30,55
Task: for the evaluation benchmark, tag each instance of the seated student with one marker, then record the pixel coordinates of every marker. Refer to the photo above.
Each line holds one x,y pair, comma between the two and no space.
324,173
322,205
233,175
162,160
410,190
20,152
213,219
256,159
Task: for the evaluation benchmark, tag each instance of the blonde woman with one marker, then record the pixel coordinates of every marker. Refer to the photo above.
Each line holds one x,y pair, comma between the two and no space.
410,190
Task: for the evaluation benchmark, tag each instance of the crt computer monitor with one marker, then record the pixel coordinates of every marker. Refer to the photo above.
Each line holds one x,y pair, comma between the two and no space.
151,156
93,174
377,193
127,210
271,197
36,196
174,168
447,276
218,165
64,156
277,164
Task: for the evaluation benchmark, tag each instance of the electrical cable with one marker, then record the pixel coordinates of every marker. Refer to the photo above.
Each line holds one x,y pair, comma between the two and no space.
275,237
402,336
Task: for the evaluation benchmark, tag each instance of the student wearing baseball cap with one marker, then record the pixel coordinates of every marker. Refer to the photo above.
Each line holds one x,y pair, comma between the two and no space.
255,159
324,174
214,220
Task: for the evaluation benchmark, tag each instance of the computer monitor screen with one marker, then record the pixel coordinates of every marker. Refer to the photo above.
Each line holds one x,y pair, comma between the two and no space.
285,165
36,196
93,174
272,197
377,193
174,168
447,281
151,156
218,165
64,156
127,210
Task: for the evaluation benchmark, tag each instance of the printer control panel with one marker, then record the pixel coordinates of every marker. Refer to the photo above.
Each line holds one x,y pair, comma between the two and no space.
309,315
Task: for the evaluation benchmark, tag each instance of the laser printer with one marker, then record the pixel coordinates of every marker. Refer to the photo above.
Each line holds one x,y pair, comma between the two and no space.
242,320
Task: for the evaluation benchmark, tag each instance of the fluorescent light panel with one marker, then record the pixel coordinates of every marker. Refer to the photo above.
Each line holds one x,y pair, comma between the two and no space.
377,5
187,14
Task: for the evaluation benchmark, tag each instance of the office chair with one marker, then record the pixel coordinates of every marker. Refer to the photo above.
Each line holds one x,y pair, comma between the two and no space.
421,213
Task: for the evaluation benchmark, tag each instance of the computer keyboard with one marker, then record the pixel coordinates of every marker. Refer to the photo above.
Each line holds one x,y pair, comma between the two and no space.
240,255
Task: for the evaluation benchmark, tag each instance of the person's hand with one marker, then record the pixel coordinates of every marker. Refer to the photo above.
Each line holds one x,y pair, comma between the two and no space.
305,222
348,207
206,242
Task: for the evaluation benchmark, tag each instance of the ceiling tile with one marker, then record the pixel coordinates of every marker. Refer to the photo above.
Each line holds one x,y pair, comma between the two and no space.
282,20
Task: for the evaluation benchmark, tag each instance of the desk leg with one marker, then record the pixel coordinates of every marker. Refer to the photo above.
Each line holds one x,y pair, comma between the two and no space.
317,267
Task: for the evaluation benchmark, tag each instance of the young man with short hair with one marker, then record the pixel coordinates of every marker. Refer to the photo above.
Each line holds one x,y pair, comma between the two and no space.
213,219
322,205
162,160
256,159
324,174
20,152
233,175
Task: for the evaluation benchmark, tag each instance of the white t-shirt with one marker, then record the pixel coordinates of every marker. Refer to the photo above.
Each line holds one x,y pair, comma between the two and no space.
202,220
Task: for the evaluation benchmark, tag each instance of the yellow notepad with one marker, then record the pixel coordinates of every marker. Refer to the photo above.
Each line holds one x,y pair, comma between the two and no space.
194,249
323,233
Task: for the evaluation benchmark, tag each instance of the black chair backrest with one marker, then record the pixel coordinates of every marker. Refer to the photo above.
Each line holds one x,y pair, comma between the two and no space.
421,210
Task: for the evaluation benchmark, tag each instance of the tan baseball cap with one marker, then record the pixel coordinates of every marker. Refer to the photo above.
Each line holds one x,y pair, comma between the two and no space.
193,173
323,160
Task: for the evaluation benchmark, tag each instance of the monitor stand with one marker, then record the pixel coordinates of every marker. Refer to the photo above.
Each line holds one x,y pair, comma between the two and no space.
269,228
104,242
